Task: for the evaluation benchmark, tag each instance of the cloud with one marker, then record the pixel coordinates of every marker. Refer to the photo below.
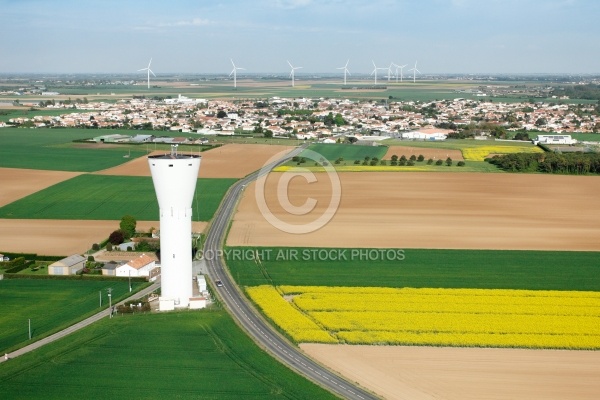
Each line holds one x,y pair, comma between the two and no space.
192,22
291,4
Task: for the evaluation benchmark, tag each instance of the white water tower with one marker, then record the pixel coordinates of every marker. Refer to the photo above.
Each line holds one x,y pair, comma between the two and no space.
174,176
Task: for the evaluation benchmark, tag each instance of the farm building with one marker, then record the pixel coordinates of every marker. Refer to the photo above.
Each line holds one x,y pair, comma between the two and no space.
139,266
554,139
416,135
197,303
109,269
142,138
115,138
67,266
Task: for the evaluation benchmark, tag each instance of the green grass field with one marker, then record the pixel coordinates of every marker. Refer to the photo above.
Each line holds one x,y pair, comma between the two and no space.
184,355
491,269
349,152
103,197
51,305
52,149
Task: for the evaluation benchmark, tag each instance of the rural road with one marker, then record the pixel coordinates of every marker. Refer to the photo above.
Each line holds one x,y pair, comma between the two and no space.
249,318
77,326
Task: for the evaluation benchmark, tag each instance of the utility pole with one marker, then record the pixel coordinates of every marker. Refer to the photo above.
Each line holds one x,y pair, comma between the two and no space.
100,293
29,328
110,301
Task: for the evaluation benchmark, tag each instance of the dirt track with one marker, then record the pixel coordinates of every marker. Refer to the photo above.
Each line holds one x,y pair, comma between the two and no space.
398,372
228,161
433,210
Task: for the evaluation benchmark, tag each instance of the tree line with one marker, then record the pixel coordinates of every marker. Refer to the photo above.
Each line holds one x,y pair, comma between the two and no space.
551,163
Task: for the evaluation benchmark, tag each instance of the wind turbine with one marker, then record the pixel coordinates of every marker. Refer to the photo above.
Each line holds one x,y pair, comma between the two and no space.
149,71
345,68
415,70
292,72
389,69
401,72
234,72
375,71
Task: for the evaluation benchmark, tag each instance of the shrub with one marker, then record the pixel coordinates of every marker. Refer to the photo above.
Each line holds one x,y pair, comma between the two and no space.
95,247
460,164
413,158
109,246
91,258
356,162
439,162
448,161
403,158
394,158
116,237
430,161
420,158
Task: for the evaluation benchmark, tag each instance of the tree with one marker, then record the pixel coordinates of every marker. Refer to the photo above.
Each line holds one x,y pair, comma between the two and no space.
430,161
116,237
420,158
95,247
413,158
221,114
460,164
127,225
439,162
109,246
540,122
394,158
448,161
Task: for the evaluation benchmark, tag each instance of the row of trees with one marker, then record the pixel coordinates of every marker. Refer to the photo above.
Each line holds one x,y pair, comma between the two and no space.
551,163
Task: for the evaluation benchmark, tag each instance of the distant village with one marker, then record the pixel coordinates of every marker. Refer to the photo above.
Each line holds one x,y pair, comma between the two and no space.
321,119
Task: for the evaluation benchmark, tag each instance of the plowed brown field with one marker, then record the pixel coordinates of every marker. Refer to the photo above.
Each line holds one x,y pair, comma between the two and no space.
432,210
18,183
398,372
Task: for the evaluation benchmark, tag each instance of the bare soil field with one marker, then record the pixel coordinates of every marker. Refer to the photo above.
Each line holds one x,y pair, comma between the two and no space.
18,183
399,372
428,153
228,161
62,237
429,210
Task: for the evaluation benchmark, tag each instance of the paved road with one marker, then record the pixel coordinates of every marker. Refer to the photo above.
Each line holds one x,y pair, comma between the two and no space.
249,318
79,325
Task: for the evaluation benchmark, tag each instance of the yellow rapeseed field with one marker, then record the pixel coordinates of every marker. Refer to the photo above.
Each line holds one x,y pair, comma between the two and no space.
442,317
292,321
480,153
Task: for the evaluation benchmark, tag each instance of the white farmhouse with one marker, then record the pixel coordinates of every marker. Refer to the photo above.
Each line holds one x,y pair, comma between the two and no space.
140,266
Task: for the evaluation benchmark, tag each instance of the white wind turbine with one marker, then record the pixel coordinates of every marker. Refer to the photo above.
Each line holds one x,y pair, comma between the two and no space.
234,72
415,70
401,72
149,72
375,71
292,72
345,68
389,70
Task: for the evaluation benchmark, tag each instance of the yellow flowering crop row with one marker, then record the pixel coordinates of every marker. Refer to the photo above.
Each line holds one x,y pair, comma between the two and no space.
457,317
480,153
533,341
467,322
295,323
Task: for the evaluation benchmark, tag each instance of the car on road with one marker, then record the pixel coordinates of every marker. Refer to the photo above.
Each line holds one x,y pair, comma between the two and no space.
219,283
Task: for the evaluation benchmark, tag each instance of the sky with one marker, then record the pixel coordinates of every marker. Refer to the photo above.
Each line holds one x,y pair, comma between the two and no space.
197,36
